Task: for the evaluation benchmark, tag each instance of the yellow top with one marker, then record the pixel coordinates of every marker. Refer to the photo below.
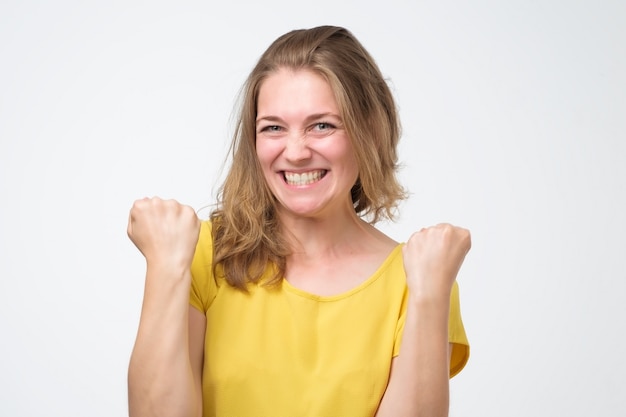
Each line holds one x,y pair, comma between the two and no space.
284,352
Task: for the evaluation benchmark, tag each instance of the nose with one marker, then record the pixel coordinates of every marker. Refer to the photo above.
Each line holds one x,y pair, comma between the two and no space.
297,148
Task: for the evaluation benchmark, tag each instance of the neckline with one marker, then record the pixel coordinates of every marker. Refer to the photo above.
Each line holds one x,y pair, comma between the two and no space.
287,286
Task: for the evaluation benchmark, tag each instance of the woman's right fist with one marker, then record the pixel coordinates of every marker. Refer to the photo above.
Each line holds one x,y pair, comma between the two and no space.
165,231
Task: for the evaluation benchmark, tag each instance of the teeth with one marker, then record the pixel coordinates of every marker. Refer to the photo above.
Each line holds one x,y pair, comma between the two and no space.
305,178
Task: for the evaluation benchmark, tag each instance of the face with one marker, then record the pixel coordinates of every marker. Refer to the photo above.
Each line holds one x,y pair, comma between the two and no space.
305,154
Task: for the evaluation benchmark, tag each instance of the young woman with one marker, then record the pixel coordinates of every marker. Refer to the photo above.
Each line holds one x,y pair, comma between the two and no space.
288,301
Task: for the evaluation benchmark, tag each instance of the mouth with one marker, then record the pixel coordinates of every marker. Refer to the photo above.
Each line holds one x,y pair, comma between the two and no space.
303,178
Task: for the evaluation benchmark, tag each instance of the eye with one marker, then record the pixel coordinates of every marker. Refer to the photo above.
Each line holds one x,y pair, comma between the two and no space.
271,129
322,126
321,129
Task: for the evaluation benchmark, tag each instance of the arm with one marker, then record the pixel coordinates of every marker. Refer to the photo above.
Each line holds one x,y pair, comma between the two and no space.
419,378
165,366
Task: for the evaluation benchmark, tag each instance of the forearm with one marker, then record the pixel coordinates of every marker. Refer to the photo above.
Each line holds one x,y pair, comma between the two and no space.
419,380
160,377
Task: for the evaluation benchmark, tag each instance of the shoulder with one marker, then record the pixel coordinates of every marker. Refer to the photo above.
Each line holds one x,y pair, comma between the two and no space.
204,248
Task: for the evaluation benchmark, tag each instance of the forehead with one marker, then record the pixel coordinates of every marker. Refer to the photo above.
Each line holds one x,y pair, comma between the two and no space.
301,90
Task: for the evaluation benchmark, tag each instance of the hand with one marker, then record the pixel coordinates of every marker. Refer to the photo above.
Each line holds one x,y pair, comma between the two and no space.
165,231
432,259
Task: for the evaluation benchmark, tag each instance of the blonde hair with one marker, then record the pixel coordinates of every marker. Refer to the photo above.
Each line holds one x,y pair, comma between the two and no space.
246,231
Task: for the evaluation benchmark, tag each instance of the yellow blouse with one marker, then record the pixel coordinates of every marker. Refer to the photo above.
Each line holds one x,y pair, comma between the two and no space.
283,352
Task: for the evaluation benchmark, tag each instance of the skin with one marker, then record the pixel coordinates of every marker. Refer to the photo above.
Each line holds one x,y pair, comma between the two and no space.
166,363
432,259
299,130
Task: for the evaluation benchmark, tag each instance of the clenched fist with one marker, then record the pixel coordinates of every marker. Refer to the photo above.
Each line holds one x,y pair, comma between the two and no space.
165,231
432,258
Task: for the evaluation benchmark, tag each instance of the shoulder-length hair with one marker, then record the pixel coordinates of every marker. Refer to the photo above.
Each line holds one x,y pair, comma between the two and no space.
246,231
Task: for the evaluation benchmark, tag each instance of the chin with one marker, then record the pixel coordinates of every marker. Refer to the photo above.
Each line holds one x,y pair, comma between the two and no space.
300,210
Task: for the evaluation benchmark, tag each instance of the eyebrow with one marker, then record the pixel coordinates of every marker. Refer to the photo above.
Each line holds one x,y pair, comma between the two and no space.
308,119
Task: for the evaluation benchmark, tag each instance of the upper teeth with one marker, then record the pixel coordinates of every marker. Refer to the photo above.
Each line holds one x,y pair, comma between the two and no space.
303,178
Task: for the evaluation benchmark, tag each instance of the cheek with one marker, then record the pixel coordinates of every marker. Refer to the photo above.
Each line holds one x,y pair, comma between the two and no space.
261,151
347,155
352,166
266,152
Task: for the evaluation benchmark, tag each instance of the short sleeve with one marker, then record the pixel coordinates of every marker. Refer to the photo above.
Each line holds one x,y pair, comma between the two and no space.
203,284
456,333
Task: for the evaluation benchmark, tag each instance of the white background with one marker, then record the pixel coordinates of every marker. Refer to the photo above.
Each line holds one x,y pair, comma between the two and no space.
514,117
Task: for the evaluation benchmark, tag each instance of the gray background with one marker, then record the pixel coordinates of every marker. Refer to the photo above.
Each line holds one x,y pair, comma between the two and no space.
514,126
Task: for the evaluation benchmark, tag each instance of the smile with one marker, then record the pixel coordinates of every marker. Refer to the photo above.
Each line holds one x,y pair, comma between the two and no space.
304,178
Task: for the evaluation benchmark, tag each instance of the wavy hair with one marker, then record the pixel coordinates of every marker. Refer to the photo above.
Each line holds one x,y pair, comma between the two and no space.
246,232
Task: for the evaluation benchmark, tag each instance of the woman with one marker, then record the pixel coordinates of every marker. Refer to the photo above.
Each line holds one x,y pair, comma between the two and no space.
299,306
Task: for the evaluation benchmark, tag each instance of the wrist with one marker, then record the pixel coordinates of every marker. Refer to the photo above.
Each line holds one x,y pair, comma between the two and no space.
171,271
429,300
429,290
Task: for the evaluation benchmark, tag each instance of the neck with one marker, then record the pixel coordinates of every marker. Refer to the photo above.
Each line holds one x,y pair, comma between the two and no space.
318,237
